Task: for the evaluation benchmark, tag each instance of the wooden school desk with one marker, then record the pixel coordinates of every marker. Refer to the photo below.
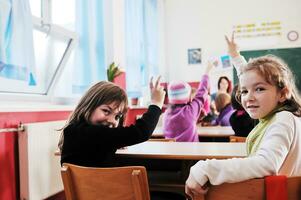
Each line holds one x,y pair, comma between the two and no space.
168,163
184,150
215,131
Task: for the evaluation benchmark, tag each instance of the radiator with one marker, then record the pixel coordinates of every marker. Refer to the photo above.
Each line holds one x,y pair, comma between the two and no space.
39,167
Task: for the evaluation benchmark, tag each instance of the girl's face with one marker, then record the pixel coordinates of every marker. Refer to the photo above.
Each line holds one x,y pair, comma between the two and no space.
223,85
107,115
258,97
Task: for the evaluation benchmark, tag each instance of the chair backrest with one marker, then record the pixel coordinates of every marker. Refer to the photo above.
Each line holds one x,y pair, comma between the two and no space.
87,183
251,189
237,139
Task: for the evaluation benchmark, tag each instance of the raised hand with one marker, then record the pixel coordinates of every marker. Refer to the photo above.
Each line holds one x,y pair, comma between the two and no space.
232,46
157,92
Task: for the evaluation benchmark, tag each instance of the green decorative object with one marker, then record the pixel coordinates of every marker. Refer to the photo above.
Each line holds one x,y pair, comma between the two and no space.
113,71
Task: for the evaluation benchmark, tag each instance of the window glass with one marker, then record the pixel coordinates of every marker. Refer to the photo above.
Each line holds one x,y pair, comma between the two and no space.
35,7
49,50
63,13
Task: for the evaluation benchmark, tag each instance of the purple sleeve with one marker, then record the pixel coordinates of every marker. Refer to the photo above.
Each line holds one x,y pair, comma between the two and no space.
201,97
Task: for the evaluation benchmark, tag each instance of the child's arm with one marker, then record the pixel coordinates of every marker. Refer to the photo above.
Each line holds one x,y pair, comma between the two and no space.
193,188
202,91
209,67
89,136
269,159
197,104
145,126
237,60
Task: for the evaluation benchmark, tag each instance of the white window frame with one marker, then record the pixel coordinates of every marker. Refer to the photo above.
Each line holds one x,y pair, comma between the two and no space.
43,24
56,30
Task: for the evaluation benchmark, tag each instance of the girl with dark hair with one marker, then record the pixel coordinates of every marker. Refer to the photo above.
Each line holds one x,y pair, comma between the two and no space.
93,132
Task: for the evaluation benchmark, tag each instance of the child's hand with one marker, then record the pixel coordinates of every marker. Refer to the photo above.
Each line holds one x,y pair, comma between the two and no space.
193,188
157,92
232,46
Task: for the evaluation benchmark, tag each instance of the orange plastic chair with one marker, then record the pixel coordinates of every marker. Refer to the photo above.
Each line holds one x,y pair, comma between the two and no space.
88,183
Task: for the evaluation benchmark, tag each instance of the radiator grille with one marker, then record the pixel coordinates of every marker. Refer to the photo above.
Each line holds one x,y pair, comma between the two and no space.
39,168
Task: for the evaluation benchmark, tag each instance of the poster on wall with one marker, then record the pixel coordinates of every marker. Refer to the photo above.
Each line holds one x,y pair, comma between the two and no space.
195,56
258,34
262,29
221,61
225,61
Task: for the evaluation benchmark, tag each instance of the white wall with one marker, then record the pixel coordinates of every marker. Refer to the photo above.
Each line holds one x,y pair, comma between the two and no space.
183,31
203,24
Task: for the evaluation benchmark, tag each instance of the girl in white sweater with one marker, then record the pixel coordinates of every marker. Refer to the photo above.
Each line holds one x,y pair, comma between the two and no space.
267,91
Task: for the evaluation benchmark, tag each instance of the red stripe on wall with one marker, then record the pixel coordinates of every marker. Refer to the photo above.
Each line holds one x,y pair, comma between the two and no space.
7,163
9,176
12,119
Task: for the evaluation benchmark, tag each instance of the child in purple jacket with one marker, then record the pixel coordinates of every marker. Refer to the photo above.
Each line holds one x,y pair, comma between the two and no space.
180,118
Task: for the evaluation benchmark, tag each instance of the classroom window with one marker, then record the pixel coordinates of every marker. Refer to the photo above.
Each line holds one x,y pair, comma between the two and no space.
33,66
63,13
76,55
87,64
50,49
53,47
141,35
35,6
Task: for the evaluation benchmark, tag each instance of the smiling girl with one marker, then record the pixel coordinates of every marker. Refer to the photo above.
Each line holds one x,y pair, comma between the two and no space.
94,130
267,93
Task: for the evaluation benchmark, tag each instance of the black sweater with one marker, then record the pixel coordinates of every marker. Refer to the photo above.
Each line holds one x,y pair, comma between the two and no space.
95,145
242,123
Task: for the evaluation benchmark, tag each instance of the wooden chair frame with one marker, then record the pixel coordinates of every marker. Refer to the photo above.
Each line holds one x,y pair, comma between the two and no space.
237,139
88,183
162,140
251,189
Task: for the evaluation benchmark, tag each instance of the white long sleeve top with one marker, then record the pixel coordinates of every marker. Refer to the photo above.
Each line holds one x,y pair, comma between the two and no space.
239,62
278,154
